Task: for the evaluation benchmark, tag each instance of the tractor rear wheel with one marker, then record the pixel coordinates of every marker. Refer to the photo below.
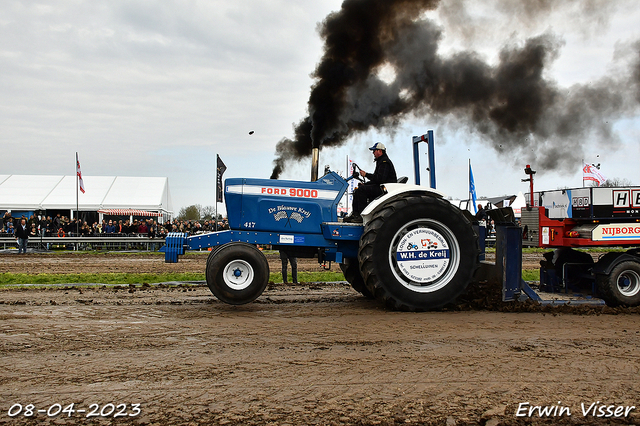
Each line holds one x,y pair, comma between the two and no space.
418,253
351,271
622,285
237,273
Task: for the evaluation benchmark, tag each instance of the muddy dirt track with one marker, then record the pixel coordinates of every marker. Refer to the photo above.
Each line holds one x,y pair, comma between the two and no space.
306,354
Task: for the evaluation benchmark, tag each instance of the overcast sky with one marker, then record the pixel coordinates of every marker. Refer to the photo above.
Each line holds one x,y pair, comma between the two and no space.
158,88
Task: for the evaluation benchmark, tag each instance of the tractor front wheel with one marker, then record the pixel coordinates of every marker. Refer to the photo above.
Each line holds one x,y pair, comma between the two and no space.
237,273
351,271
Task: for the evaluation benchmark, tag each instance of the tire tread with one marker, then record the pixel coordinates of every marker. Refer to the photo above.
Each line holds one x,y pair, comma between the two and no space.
366,250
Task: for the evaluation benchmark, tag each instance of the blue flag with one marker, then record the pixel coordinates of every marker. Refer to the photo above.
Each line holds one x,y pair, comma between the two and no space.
472,189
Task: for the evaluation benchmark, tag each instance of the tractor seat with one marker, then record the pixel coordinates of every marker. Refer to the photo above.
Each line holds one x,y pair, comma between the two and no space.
403,179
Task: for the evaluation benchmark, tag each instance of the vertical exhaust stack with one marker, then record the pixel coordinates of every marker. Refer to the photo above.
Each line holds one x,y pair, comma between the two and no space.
315,159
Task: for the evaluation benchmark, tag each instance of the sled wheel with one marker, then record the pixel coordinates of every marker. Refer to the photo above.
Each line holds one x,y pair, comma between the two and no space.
237,273
418,253
622,285
351,272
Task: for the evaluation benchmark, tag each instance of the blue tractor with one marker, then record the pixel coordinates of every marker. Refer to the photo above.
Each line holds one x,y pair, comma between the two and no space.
415,251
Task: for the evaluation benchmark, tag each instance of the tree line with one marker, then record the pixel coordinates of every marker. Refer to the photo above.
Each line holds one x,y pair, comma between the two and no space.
198,212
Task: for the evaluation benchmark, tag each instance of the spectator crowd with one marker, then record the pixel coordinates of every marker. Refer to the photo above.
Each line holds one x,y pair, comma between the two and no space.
63,226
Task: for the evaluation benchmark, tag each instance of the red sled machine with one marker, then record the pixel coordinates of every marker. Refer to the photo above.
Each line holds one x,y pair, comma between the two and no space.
583,218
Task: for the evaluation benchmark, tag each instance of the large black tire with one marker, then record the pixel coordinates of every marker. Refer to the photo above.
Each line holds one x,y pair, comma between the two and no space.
237,273
418,253
351,270
622,285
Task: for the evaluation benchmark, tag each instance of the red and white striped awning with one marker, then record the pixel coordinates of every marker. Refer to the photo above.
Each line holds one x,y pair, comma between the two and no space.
128,212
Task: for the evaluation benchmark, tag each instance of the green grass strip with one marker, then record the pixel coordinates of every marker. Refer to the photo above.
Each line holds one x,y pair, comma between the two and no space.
321,276
10,279
112,278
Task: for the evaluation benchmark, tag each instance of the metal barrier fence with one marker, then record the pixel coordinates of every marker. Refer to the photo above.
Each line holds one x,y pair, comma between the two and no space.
110,242
115,242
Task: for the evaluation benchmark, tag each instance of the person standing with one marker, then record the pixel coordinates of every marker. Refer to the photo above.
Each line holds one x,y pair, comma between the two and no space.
7,219
151,231
57,223
110,228
22,235
43,226
481,215
287,257
142,228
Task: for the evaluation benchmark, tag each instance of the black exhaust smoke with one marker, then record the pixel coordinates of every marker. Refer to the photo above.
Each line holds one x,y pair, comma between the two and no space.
519,111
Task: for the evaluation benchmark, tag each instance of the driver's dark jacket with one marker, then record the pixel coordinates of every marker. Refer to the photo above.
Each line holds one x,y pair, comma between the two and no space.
384,172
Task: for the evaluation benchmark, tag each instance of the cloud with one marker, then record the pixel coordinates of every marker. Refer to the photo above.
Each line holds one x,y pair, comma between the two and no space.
512,102
158,88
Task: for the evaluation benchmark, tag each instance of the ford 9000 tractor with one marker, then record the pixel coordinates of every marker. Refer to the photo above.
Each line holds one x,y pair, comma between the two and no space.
415,250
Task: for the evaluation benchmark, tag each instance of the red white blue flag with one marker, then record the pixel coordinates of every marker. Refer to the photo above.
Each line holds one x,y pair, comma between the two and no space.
591,172
79,173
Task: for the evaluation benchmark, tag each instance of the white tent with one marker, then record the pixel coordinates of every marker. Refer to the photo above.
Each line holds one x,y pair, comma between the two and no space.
40,192
518,204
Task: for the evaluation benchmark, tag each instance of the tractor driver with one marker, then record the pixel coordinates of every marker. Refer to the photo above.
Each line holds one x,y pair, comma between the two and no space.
366,192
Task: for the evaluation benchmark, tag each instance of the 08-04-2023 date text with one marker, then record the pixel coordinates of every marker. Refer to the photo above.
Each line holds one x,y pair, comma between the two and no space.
70,410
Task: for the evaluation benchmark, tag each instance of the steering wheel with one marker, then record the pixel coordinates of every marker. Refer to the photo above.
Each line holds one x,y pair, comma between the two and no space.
356,173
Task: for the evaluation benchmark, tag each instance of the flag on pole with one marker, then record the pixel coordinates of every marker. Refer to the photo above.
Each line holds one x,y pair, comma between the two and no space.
352,183
220,171
591,172
79,173
472,189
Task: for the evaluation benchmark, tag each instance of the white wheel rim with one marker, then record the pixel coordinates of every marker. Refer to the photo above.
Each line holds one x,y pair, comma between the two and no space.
238,274
628,283
424,255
